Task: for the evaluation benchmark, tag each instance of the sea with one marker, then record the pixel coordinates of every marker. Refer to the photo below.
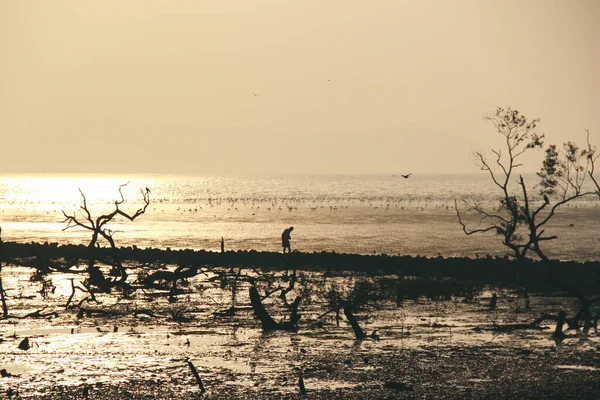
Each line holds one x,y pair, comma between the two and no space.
362,214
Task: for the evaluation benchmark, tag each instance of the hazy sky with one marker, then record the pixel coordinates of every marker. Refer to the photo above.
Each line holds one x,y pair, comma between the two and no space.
348,86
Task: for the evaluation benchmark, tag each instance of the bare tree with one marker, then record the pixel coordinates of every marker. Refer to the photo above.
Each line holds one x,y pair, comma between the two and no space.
519,218
97,226
590,153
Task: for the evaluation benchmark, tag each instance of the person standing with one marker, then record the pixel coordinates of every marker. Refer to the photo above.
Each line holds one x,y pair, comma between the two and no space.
285,239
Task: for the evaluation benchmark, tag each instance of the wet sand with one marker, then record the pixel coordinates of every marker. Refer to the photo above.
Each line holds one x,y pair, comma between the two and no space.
424,348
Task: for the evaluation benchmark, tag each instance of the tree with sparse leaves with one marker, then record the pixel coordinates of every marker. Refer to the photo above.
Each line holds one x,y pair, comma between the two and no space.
519,218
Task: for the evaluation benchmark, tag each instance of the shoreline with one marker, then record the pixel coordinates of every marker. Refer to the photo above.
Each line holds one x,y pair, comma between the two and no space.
489,270
427,345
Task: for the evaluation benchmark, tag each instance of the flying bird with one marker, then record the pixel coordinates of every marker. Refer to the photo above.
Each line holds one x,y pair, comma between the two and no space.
406,176
255,94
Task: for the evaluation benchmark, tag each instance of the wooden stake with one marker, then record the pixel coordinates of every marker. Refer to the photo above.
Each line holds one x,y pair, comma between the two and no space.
301,383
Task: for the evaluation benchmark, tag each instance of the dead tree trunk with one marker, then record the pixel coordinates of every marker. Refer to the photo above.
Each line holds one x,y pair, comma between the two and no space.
2,298
358,332
301,383
493,301
558,333
268,323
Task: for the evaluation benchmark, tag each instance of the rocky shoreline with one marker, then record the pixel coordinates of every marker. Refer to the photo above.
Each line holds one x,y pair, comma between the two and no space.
489,270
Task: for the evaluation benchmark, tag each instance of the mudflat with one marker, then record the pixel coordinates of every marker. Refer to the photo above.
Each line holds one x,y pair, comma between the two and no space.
430,336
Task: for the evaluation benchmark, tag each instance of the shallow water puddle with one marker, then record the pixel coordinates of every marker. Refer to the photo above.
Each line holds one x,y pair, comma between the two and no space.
70,350
14,369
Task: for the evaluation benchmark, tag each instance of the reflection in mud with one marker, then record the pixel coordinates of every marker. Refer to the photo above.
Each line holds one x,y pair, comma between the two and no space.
417,341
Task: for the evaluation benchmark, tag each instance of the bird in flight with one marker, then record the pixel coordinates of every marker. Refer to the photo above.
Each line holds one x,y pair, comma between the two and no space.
406,176
255,94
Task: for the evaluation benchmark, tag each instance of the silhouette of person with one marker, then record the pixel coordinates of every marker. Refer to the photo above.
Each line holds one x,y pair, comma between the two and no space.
222,245
285,239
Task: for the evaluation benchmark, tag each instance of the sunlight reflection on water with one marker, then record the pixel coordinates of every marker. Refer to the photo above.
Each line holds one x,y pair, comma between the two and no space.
356,213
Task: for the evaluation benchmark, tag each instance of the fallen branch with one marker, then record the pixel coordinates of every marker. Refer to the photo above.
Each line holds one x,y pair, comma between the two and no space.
37,314
535,324
196,375
231,311
301,383
90,311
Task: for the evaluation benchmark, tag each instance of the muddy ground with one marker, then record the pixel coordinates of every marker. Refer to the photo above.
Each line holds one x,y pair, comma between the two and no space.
422,347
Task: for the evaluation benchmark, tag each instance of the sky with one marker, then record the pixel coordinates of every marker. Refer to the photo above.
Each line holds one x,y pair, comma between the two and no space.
300,87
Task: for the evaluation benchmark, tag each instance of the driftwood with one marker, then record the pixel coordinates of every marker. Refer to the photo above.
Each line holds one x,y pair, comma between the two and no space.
83,311
196,375
2,294
181,272
268,323
231,311
36,314
535,324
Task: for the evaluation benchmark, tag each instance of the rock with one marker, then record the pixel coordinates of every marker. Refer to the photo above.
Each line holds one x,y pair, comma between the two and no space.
24,345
